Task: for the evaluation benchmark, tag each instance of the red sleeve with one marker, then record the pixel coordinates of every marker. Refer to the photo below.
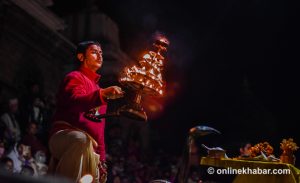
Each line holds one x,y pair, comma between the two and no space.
102,99
79,95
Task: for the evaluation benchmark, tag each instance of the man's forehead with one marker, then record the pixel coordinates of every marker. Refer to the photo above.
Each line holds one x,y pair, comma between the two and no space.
94,47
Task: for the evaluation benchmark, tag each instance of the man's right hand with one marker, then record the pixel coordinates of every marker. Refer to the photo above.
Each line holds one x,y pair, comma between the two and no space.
112,92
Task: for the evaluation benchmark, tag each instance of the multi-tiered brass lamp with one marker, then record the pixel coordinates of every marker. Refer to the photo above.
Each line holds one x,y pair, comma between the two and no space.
144,78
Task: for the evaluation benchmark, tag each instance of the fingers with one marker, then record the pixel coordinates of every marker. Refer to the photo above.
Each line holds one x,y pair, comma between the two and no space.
118,90
114,92
117,93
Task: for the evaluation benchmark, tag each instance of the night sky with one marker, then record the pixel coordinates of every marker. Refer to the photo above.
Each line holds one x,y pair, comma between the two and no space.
234,64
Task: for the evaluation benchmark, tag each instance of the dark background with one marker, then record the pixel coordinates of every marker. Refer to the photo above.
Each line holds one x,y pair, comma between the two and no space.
234,64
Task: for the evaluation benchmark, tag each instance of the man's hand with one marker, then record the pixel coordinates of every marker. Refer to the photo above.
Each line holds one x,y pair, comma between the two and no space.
112,92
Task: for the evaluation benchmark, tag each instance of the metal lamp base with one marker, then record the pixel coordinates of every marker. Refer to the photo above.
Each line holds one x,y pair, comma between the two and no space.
133,111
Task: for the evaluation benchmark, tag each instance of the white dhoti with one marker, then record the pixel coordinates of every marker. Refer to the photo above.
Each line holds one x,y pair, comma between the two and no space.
73,155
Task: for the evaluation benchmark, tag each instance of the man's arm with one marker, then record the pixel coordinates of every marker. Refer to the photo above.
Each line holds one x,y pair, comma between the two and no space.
80,96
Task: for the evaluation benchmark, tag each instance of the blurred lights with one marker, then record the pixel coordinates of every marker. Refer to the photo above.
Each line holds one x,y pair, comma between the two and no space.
86,179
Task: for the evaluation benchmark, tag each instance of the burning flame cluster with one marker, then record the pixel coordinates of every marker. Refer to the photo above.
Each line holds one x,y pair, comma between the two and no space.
264,147
146,75
288,146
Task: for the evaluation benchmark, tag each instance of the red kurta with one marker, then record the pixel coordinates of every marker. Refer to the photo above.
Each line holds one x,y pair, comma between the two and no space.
78,94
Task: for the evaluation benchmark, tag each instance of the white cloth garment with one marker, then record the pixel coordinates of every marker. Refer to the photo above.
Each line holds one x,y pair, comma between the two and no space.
12,126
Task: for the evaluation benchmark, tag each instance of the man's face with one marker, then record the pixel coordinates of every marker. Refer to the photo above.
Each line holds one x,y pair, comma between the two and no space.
32,129
35,88
92,58
9,166
13,105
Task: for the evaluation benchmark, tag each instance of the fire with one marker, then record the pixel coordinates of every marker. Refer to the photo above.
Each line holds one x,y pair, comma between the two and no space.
147,56
160,92
145,77
151,71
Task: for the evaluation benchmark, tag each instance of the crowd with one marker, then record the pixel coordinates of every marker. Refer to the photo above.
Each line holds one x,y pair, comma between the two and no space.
24,126
24,122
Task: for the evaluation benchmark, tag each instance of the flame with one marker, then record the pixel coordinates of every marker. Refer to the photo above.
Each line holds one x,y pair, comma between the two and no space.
148,70
159,76
151,71
160,92
147,56
163,39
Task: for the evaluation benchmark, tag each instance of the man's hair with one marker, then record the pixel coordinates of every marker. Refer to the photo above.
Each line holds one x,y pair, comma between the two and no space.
83,46
27,169
30,123
5,160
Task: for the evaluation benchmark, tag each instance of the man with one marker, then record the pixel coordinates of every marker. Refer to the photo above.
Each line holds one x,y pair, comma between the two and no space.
17,156
9,119
77,143
31,139
6,165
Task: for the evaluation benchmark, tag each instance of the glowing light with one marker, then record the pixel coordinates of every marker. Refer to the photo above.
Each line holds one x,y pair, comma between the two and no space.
163,40
146,75
147,56
159,76
153,108
86,179
151,71
134,68
160,92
